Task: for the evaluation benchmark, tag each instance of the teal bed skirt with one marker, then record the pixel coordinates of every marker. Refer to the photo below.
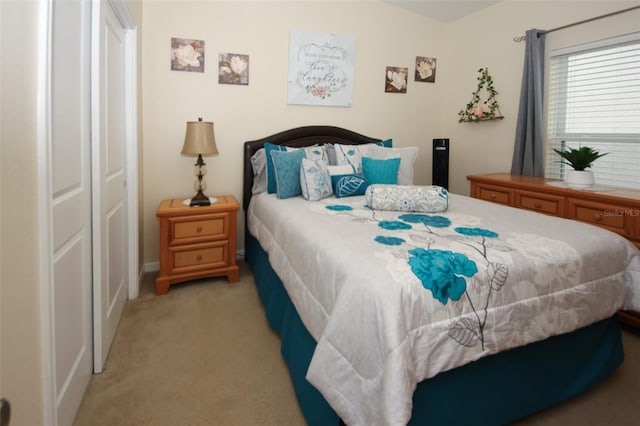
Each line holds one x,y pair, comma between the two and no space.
495,390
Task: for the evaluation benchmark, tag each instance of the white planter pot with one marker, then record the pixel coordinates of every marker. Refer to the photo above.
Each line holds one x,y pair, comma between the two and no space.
582,178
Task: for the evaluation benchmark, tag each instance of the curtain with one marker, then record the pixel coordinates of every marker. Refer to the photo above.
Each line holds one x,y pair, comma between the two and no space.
528,155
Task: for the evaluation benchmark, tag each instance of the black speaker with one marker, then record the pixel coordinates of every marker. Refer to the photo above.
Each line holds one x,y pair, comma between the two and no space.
440,174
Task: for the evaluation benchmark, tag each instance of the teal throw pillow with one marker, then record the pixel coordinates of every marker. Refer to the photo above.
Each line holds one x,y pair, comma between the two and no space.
286,166
349,185
381,171
271,176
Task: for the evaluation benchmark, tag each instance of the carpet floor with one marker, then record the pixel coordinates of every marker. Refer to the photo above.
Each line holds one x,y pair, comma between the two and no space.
203,354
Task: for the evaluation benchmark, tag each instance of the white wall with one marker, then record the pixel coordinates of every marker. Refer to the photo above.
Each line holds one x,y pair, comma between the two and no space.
20,349
385,36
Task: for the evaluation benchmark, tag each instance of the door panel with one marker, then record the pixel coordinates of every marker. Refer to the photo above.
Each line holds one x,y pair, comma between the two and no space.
70,168
110,248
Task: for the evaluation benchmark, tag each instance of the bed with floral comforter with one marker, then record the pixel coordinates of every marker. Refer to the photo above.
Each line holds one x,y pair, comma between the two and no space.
393,298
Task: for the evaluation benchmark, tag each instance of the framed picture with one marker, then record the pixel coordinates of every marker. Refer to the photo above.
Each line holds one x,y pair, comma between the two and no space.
320,69
425,69
233,68
187,55
396,80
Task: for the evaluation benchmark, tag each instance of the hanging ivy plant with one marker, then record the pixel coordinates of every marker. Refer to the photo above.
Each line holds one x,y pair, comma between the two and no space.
491,110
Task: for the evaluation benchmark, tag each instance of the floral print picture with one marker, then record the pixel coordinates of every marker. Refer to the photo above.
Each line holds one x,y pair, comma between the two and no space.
396,80
425,69
187,55
233,69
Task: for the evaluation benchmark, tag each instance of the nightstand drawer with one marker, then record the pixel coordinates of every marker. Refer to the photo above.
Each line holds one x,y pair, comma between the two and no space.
547,204
206,257
190,229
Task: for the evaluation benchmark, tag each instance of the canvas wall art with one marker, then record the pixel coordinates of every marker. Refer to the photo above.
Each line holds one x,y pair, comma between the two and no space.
321,68
425,69
396,80
233,68
187,55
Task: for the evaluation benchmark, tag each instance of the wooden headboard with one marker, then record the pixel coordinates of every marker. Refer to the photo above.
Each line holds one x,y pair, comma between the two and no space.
297,137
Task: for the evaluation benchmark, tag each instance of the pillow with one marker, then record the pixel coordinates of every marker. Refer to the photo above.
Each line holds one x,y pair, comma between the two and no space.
407,155
314,152
381,171
349,185
272,187
315,180
286,165
407,198
352,154
341,170
259,166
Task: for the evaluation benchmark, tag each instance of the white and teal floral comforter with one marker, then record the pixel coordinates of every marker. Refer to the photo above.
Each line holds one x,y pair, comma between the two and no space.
393,298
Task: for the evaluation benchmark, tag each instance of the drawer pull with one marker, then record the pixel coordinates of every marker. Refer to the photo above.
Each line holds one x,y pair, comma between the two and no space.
537,205
199,229
199,258
492,196
597,217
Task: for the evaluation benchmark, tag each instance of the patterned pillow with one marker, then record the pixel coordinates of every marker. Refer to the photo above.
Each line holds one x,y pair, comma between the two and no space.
286,166
407,198
381,171
349,185
315,152
352,154
315,180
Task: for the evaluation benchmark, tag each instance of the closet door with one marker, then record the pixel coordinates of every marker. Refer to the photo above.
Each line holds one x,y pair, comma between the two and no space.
69,141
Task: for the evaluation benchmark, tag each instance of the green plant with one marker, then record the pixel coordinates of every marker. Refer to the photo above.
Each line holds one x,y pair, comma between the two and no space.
581,158
485,81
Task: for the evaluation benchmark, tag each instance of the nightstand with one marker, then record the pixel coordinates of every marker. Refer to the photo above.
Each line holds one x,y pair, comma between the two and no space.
197,242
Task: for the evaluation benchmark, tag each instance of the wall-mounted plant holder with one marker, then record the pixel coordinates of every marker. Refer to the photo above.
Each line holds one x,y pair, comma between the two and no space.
477,110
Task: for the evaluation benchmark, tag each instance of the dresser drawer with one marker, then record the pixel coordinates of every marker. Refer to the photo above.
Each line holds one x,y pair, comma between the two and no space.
495,194
541,203
192,229
200,256
605,215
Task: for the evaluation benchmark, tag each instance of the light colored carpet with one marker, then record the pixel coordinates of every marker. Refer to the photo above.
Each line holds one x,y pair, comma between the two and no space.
204,355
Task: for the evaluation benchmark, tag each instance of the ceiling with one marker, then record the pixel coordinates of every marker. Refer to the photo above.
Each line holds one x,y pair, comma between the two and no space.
442,10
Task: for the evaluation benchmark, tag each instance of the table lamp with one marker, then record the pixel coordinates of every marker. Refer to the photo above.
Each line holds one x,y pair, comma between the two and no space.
199,140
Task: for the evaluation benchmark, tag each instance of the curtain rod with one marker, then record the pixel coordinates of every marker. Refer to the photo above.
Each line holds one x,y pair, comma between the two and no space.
523,38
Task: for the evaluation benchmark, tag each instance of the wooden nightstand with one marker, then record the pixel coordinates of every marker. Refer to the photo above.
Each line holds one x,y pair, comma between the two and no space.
197,242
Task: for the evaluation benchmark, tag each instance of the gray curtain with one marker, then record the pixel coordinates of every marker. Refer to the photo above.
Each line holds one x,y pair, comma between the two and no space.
528,155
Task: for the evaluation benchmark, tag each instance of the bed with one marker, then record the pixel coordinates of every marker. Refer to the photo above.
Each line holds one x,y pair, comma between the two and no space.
446,317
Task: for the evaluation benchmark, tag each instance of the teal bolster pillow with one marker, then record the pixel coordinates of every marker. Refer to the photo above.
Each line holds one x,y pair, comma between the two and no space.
381,171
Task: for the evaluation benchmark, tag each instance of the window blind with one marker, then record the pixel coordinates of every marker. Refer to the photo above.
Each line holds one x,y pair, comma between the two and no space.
594,100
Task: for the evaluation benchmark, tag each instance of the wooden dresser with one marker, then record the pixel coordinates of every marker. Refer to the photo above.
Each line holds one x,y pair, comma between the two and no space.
197,242
617,210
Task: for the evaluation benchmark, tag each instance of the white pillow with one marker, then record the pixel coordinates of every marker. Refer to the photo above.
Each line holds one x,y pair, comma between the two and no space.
407,157
315,180
407,198
259,166
352,154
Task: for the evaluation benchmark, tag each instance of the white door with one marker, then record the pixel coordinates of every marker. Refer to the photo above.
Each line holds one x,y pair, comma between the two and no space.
69,192
110,215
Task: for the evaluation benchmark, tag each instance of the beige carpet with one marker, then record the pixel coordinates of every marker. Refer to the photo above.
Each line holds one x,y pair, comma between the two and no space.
204,355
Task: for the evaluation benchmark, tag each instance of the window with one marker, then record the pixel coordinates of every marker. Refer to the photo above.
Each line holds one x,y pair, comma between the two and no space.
594,100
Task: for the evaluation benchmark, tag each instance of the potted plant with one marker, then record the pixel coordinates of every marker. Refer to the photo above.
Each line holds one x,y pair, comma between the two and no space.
579,159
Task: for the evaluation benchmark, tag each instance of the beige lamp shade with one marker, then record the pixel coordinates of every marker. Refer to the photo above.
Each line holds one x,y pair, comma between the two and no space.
199,139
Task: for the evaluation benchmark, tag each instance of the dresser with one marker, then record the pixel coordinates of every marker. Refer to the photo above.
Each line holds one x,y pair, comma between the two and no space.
197,242
617,210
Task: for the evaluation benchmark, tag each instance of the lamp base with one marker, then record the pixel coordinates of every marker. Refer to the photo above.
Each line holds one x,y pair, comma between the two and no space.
200,200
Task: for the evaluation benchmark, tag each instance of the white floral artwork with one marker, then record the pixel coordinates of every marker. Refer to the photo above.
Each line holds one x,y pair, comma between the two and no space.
187,55
425,69
321,69
233,68
396,80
